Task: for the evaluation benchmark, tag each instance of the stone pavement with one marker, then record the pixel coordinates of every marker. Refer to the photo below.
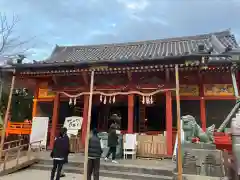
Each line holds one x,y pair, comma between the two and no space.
44,175
150,163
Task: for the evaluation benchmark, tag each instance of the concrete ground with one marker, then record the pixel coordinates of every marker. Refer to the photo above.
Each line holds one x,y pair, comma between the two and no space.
44,175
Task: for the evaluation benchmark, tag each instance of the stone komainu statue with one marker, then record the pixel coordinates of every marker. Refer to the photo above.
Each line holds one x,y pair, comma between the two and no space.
193,130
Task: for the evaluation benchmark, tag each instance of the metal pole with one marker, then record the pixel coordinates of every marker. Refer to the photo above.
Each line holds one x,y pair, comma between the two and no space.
234,81
7,113
236,94
88,127
179,152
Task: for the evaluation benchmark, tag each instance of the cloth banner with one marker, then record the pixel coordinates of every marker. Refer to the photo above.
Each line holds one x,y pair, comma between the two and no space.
39,131
73,124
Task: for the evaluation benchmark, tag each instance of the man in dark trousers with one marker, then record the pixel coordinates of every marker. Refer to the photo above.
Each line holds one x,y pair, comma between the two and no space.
66,159
59,154
94,155
112,141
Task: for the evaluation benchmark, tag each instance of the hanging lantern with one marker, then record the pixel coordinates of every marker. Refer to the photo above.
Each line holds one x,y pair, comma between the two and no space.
113,99
101,98
105,100
75,101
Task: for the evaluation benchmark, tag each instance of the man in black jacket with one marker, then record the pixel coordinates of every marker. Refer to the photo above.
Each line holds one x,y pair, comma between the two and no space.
112,141
94,155
66,159
59,154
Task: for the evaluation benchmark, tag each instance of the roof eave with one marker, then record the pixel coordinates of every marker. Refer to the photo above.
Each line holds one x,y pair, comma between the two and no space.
163,60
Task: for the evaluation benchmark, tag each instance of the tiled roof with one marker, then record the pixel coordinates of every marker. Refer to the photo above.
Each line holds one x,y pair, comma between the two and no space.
154,49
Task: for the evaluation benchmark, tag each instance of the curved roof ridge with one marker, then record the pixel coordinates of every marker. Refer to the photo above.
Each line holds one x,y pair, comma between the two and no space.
152,49
172,39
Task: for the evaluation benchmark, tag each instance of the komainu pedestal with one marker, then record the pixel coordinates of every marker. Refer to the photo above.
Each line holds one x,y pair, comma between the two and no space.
203,161
200,160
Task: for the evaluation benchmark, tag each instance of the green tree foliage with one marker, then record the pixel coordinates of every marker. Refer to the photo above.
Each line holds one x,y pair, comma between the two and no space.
21,105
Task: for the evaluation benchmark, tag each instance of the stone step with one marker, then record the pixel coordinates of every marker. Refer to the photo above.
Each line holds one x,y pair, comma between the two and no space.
105,173
124,168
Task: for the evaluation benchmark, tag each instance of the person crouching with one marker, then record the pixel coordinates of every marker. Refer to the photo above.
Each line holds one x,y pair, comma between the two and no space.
94,155
59,154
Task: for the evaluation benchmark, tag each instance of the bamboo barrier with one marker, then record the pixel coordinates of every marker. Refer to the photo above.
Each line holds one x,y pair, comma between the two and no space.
88,127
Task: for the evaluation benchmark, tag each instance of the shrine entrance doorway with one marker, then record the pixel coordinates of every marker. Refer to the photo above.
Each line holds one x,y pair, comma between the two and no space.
101,114
156,114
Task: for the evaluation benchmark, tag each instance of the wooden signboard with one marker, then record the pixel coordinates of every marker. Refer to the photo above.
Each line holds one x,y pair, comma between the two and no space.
189,90
218,90
45,93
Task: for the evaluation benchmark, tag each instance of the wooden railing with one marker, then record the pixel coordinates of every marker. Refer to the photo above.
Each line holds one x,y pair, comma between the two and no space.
14,143
18,128
13,155
23,128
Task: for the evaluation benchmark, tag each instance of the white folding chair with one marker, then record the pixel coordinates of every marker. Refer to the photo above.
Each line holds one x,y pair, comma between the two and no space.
130,146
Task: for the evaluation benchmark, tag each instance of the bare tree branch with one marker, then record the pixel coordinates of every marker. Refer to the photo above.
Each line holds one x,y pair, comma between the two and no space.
10,44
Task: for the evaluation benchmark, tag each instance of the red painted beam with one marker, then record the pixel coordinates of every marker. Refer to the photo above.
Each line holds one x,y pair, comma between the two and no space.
206,98
220,98
187,98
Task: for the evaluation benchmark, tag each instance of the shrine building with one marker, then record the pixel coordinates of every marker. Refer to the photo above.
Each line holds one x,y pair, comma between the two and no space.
135,80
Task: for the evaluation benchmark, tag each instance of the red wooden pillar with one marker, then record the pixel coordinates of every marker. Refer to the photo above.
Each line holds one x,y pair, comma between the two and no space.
85,118
56,104
130,112
203,113
169,122
34,109
202,102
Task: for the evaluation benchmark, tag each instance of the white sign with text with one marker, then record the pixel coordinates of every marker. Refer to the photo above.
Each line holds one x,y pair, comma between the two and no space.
73,124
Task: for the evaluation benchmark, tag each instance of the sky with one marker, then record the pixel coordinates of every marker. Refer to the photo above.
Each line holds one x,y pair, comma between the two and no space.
84,22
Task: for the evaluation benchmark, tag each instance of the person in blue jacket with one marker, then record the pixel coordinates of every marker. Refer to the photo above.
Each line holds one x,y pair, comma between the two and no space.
59,154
